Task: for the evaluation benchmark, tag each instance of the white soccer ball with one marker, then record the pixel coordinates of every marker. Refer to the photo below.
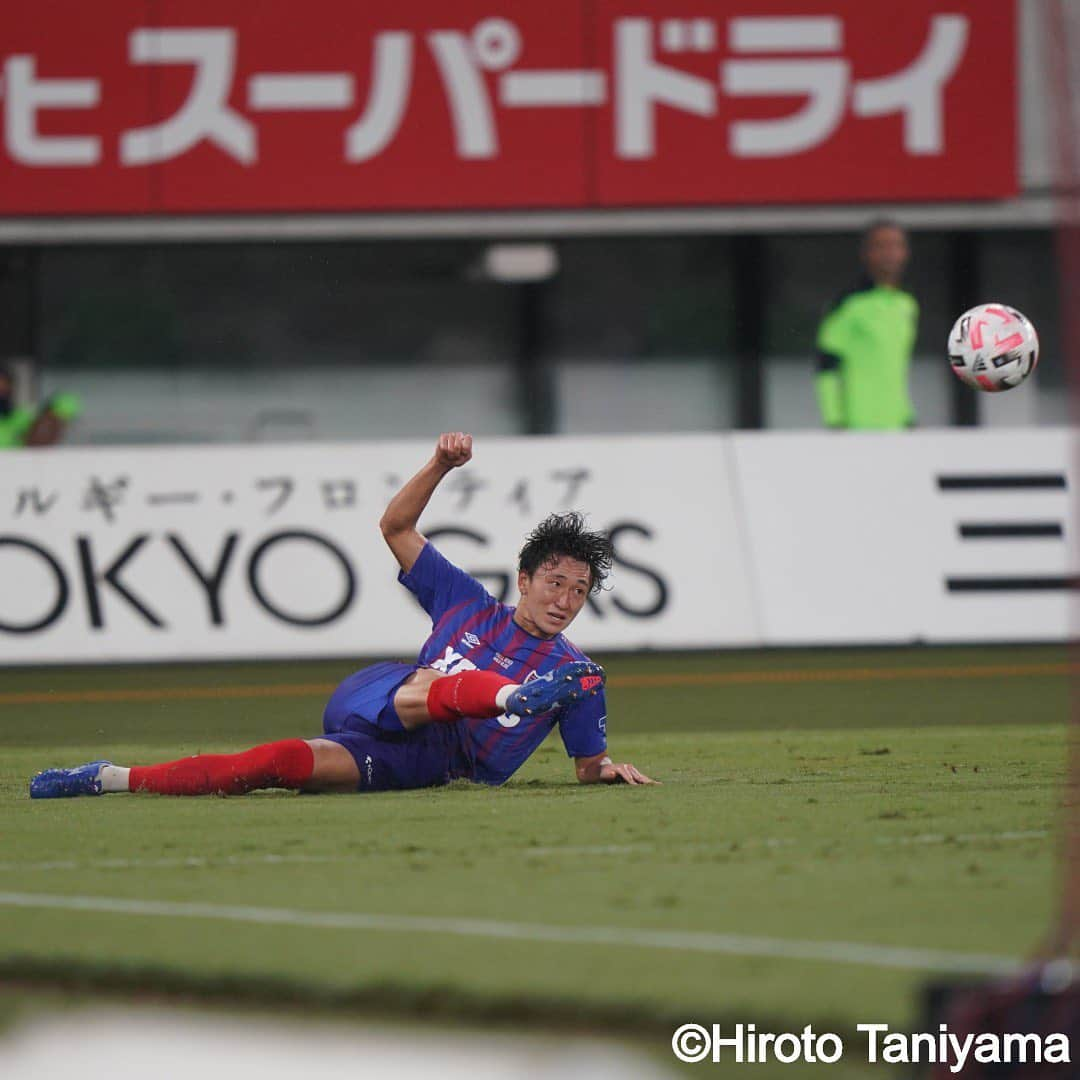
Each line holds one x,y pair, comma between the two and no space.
993,347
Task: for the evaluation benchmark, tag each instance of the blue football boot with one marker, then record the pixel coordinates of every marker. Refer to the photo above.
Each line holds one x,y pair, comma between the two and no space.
571,682
67,783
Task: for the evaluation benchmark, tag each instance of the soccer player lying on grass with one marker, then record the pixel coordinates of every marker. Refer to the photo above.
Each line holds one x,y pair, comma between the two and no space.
488,686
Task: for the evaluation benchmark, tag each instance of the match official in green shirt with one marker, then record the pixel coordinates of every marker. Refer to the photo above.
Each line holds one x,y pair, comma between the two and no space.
866,339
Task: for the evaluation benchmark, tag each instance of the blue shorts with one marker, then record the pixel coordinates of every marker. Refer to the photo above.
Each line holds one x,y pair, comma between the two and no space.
368,696
360,716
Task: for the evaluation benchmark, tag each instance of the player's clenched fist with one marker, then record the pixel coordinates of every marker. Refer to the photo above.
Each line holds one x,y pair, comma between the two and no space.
454,449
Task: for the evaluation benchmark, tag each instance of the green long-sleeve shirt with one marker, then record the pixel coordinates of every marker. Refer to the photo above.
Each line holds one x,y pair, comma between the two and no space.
15,424
14,427
864,355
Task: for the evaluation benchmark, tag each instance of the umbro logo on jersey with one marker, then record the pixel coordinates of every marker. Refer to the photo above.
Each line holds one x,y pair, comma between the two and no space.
472,640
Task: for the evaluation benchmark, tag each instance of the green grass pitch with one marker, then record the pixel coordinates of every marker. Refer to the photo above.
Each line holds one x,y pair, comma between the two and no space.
808,798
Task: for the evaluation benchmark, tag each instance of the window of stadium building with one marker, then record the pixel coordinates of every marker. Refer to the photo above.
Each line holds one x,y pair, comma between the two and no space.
364,339
286,341
643,335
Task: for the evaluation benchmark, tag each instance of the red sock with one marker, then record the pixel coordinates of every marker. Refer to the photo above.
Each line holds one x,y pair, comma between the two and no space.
470,693
287,764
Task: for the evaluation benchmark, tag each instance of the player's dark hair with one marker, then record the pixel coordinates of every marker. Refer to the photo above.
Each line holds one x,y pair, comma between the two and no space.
880,223
565,534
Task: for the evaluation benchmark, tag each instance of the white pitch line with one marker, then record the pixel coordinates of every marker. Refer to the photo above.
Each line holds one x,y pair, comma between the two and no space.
178,862
196,862
585,849
965,838
839,952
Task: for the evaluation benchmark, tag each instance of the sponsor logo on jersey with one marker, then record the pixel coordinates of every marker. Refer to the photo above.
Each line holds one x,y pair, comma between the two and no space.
503,661
451,662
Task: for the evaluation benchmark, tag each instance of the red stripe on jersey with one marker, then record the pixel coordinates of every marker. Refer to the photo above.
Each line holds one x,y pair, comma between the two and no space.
494,636
533,661
540,653
466,627
440,627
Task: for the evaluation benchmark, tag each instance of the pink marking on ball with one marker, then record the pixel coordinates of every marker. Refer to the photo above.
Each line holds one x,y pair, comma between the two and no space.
1011,342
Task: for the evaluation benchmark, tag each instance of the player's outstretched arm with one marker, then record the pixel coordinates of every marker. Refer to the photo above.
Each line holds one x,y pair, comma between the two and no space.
600,769
399,520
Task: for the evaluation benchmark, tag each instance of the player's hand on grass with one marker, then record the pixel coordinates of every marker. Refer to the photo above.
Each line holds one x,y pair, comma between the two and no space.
454,449
623,774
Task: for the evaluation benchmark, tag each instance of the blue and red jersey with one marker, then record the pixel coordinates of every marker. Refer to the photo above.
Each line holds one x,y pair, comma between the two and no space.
472,630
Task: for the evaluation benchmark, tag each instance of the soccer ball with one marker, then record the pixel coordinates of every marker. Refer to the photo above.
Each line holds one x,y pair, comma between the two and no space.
993,347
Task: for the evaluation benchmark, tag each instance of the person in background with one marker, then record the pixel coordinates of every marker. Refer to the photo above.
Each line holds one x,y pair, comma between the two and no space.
866,339
25,425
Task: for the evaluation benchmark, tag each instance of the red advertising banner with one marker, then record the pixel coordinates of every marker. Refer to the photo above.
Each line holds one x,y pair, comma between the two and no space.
185,106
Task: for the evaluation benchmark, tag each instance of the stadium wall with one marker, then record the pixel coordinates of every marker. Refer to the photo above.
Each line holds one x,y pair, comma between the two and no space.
722,541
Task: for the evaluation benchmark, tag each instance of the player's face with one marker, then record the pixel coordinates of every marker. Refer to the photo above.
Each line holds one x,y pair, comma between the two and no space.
552,597
885,253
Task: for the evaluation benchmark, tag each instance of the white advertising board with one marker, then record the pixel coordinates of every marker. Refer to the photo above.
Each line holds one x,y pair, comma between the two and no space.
738,540
167,553
942,536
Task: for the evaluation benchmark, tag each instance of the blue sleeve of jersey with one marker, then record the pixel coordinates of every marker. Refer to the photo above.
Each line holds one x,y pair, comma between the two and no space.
583,727
439,585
